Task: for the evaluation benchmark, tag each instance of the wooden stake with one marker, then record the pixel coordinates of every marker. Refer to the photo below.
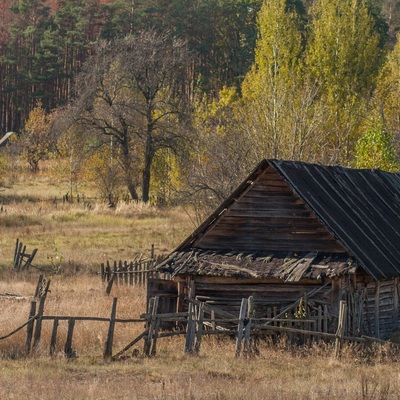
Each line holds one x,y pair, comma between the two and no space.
199,328
29,328
68,351
53,340
38,328
110,334
239,336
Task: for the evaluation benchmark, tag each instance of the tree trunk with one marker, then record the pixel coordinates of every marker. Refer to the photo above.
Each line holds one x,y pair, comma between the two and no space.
148,159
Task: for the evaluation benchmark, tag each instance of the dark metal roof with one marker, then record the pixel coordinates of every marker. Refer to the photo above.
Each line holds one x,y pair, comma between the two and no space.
361,208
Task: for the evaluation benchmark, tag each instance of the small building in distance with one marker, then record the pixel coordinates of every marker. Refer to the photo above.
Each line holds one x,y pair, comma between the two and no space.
296,230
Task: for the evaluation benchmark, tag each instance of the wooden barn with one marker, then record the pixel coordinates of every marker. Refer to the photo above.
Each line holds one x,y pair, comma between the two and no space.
295,230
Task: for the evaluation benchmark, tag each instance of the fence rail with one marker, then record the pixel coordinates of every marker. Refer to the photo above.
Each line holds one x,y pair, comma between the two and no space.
192,324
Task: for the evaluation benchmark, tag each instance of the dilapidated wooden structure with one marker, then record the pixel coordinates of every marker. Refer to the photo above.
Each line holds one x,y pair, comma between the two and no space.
295,230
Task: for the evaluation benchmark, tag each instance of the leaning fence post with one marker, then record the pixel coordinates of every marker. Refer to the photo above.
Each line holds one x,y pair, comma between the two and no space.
29,328
242,315
38,328
110,334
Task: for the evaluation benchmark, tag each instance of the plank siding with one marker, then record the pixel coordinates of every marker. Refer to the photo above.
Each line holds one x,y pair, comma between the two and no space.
269,217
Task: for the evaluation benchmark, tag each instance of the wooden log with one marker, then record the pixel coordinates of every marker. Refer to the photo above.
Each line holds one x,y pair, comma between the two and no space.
38,327
110,335
53,340
242,316
68,351
29,327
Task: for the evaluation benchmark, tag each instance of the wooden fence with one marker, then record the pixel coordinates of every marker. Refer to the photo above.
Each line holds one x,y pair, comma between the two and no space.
136,272
192,324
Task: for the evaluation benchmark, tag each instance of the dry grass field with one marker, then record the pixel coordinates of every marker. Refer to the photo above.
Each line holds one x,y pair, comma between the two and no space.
76,240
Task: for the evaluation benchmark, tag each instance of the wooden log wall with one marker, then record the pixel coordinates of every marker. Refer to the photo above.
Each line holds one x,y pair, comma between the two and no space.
269,298
380,314
269,216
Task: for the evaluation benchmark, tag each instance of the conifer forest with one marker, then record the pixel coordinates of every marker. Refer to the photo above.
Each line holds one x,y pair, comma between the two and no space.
176,101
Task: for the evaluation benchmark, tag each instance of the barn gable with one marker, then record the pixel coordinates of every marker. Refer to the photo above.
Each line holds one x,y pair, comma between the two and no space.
268,216
296,206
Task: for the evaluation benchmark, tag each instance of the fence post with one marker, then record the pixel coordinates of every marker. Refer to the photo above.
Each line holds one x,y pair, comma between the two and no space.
239,336
38,328
68,351
247,331
102,273
110,335
29,328
199,327
153,307
53,339
341,328
190,330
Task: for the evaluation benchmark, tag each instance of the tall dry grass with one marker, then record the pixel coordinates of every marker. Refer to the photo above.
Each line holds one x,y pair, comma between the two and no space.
79,239
277,372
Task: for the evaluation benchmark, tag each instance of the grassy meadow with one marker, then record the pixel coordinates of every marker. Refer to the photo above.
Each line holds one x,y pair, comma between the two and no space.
73,240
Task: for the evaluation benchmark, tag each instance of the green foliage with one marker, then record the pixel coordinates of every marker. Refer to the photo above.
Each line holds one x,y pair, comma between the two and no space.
375,149
343,57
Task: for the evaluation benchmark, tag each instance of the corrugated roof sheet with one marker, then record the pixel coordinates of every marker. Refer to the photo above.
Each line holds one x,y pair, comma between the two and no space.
360,207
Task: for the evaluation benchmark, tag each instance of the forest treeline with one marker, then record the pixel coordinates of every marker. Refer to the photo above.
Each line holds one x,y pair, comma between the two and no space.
178,100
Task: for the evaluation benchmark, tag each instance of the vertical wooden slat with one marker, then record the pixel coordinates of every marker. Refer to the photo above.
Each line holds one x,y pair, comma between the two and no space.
131,273
239,335
376,308
396,302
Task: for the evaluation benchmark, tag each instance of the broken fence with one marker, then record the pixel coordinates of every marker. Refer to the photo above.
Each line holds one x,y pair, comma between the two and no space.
193,324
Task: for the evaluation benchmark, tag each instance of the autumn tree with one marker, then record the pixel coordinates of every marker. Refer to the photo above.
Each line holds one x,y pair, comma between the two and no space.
343,57
37,139
129,94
